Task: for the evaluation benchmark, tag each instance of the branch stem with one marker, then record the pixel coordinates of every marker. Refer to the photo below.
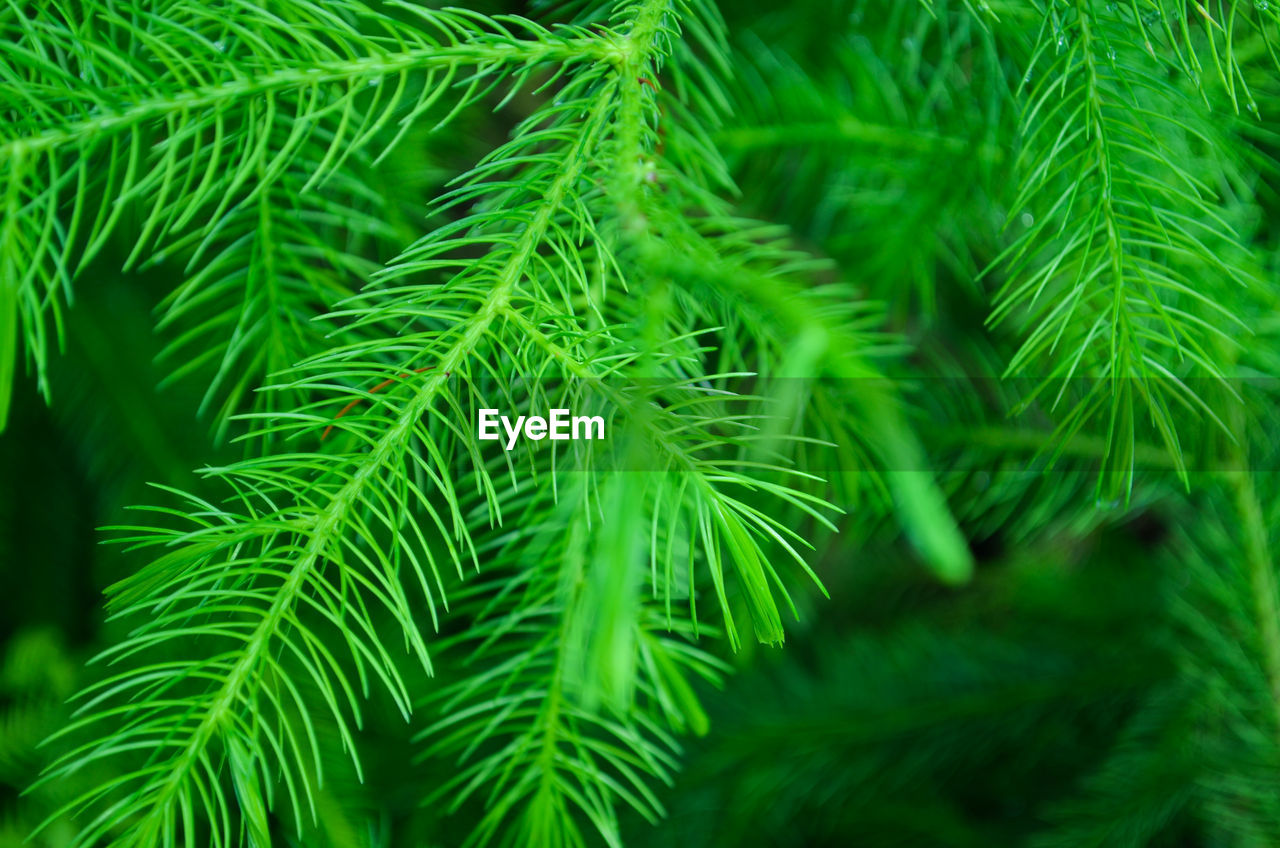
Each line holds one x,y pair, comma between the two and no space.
365,67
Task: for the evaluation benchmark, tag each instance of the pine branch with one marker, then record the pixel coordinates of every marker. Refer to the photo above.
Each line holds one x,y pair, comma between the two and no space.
1120,279
317,533
259,280
180,142
608,259
524,738
297,544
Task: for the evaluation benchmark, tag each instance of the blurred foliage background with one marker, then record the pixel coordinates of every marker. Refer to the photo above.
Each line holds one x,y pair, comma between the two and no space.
1104,678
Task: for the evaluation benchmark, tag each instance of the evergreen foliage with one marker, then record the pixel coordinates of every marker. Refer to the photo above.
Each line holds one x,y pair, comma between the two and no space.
935,339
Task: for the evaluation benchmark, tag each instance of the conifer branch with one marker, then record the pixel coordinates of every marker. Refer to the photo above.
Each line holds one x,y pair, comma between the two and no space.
182,143
1112,278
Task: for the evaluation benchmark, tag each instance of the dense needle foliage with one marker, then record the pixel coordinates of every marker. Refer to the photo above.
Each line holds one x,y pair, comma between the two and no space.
936,340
